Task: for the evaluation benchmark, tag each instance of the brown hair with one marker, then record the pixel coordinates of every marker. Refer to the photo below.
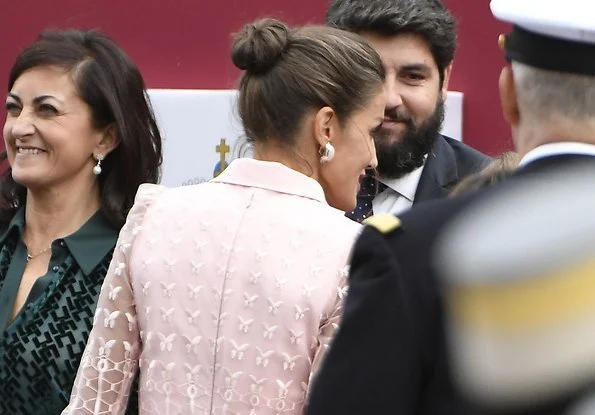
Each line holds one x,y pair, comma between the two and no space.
291,72
497,170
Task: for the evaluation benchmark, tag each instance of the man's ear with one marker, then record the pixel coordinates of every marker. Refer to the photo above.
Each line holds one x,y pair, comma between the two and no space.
446,82
508,97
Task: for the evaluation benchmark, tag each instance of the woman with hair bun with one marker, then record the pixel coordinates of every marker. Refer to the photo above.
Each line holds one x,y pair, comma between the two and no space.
226,294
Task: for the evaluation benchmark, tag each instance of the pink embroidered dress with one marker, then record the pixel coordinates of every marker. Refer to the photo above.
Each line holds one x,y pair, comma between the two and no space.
225,295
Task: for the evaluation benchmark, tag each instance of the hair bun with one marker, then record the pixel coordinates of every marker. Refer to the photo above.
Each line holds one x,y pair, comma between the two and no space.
260,45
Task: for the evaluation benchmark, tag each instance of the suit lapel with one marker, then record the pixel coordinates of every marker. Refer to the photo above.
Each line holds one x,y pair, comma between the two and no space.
439,173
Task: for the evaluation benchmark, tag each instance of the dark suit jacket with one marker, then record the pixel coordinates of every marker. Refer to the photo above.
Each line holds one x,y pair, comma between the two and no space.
389,355
449,162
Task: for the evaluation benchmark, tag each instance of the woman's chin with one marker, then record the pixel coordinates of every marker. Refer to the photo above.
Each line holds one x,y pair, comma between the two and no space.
345,206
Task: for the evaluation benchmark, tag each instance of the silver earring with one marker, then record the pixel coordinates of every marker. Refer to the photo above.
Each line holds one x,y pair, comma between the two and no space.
97,168
328,153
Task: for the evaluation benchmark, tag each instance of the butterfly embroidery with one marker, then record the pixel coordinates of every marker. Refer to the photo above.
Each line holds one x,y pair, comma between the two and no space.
263,357
307,290
196,267
299,313
284,388
244,326
124,247
169,265
166,341
131,321
257,385
166,314
294,337
167,289
120,269
199,245
145,264
249,301
146,286
105,347
192,344
192,373
203,225
268,331
113,292
237,353
166,374
127,349
255,277
274,307
192,316
110,318
193,292
289,362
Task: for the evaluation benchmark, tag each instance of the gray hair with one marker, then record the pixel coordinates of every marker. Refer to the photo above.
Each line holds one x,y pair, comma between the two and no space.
544,93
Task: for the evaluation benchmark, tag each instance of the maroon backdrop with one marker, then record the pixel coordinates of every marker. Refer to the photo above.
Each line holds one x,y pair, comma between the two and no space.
185,44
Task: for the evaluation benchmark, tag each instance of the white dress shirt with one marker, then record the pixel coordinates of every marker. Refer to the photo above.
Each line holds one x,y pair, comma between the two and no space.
556,149
399,195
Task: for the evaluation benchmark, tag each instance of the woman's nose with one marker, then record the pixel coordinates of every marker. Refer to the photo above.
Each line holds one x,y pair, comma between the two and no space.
21,126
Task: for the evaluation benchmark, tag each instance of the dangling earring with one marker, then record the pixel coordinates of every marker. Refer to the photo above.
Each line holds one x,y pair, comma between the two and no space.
328,153
97,168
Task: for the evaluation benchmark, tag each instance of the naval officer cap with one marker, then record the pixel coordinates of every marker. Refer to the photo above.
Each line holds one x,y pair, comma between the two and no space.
556,35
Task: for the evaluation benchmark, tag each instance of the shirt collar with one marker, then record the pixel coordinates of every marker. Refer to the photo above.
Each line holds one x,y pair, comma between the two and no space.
556,149
92,242
271,176
16,223
88,245
406,186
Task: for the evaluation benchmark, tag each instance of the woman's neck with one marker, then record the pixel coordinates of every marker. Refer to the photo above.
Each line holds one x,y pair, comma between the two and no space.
294,159
55,213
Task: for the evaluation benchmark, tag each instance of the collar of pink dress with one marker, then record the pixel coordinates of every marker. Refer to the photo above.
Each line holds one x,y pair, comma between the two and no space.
271,176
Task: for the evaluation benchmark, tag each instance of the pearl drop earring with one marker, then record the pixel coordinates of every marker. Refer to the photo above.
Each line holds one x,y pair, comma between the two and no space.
97,168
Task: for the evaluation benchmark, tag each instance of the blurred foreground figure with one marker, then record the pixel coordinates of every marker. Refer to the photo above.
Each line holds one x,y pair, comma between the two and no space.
520,277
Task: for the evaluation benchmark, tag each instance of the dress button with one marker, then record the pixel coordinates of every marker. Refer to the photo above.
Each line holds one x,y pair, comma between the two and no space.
55,268
62,243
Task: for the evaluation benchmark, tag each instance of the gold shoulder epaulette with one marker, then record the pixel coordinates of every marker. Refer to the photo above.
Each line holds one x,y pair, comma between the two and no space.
384,222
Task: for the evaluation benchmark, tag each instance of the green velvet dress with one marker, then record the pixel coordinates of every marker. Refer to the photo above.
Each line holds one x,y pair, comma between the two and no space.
40,349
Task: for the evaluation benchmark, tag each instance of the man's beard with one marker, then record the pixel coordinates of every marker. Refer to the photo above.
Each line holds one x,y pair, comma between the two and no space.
400,156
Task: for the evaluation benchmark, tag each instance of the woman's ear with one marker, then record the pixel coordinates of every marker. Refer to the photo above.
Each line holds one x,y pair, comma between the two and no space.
108,140
325,126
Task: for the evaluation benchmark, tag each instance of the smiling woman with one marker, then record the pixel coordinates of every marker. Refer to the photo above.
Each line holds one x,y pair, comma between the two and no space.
80,138
50,138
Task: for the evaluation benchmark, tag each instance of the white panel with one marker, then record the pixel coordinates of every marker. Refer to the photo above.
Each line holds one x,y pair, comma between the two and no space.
453,117
193,122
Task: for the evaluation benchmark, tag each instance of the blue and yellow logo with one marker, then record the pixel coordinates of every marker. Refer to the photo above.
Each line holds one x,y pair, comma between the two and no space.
222,149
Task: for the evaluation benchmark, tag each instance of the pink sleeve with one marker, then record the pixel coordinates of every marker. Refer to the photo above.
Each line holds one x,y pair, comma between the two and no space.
330,322
110,359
